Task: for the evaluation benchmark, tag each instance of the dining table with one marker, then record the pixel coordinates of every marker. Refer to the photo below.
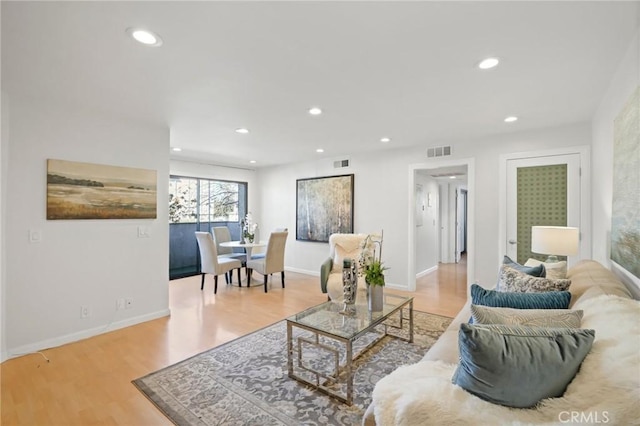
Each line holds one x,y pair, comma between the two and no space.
248,248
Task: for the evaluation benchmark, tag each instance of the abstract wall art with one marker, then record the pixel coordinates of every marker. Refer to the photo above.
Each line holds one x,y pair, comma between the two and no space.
324,206
625,214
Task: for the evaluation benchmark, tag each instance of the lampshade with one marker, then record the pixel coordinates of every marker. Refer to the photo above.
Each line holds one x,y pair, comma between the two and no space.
555,240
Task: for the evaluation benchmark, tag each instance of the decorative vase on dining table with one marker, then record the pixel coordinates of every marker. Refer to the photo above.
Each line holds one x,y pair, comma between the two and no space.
376,297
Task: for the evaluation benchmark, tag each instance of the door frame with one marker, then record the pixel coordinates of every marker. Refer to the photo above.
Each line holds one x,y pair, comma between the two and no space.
584,152
411,241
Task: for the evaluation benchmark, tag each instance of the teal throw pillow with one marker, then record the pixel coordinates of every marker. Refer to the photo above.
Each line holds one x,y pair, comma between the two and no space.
518,366
497,299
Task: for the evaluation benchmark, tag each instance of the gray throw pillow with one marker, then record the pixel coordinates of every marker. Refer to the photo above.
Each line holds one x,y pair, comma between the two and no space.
519,366
550,318
514,281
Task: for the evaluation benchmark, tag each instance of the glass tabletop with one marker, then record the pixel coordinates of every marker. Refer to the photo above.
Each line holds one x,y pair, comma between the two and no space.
332,318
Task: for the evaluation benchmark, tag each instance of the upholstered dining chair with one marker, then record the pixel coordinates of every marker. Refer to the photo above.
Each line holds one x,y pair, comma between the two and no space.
210,263
260,254
273,260
221,234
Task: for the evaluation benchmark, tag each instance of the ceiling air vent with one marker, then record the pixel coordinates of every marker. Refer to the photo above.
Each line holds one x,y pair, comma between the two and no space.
439,151
338,164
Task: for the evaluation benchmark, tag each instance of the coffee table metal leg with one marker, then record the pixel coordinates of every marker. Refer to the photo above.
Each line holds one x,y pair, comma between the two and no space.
411,321
289,350
349,368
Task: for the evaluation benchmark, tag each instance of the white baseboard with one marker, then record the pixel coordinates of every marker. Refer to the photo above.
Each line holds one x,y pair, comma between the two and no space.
80,335
427,271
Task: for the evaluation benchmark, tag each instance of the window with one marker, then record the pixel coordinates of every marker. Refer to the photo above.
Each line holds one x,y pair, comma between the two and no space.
197,204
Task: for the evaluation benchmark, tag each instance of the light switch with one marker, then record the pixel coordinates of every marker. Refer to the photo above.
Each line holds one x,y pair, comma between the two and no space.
35,235
143,232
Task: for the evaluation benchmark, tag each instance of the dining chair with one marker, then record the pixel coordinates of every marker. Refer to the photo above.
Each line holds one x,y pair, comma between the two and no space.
262,254
211,263
273,260
221,234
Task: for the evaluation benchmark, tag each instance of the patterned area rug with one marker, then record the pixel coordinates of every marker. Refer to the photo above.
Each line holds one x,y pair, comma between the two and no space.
245,382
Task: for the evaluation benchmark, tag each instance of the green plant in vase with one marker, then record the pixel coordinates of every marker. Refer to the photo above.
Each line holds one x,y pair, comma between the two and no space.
374,273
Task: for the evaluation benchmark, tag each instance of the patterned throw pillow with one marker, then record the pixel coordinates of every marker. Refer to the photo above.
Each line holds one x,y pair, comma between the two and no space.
535,271
555,270
341,253
528,317
519,366
513,281
546,300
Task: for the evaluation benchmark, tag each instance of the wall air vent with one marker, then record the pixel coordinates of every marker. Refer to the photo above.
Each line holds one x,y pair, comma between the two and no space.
439,151
338,164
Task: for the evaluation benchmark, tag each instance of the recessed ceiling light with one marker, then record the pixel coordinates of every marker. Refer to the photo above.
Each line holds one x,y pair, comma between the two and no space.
319,150
452,177
242,131
315,111
176,149
252,161
488,63
511,119
145,37
385,140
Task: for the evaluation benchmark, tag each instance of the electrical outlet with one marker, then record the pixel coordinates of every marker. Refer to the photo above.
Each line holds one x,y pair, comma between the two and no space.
128,303
85,311
120,305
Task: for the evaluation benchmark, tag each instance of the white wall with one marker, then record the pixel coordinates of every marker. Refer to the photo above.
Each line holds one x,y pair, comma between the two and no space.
426,236
623,83
382,197
78,262
4,161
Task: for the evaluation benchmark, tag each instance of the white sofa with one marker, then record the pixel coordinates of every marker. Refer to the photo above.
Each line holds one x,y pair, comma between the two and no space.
605,390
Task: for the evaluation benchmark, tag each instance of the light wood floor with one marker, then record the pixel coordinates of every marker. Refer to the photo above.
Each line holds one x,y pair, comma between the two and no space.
89,382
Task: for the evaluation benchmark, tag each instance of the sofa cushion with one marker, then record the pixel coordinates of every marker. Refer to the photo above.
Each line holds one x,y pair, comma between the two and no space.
555,270
589,279
510,279
526,317
518,366
497,299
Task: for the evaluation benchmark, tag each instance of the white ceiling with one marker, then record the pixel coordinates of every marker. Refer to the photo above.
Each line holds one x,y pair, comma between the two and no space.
404,70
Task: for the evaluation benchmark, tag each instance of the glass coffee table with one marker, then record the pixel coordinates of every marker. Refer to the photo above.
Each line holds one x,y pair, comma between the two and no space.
320,341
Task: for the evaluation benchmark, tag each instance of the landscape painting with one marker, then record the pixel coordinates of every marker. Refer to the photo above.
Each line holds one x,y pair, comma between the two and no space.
324,206
95,191
625,225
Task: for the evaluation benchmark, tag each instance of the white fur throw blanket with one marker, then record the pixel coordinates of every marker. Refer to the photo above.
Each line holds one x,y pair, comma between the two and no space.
605,390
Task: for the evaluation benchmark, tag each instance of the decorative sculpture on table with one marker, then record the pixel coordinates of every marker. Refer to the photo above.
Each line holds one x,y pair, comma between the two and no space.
349,282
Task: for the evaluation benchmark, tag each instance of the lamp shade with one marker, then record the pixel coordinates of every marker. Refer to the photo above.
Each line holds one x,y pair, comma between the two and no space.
555,240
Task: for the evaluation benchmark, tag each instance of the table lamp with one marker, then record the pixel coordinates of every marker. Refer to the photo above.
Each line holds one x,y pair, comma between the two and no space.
555,241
